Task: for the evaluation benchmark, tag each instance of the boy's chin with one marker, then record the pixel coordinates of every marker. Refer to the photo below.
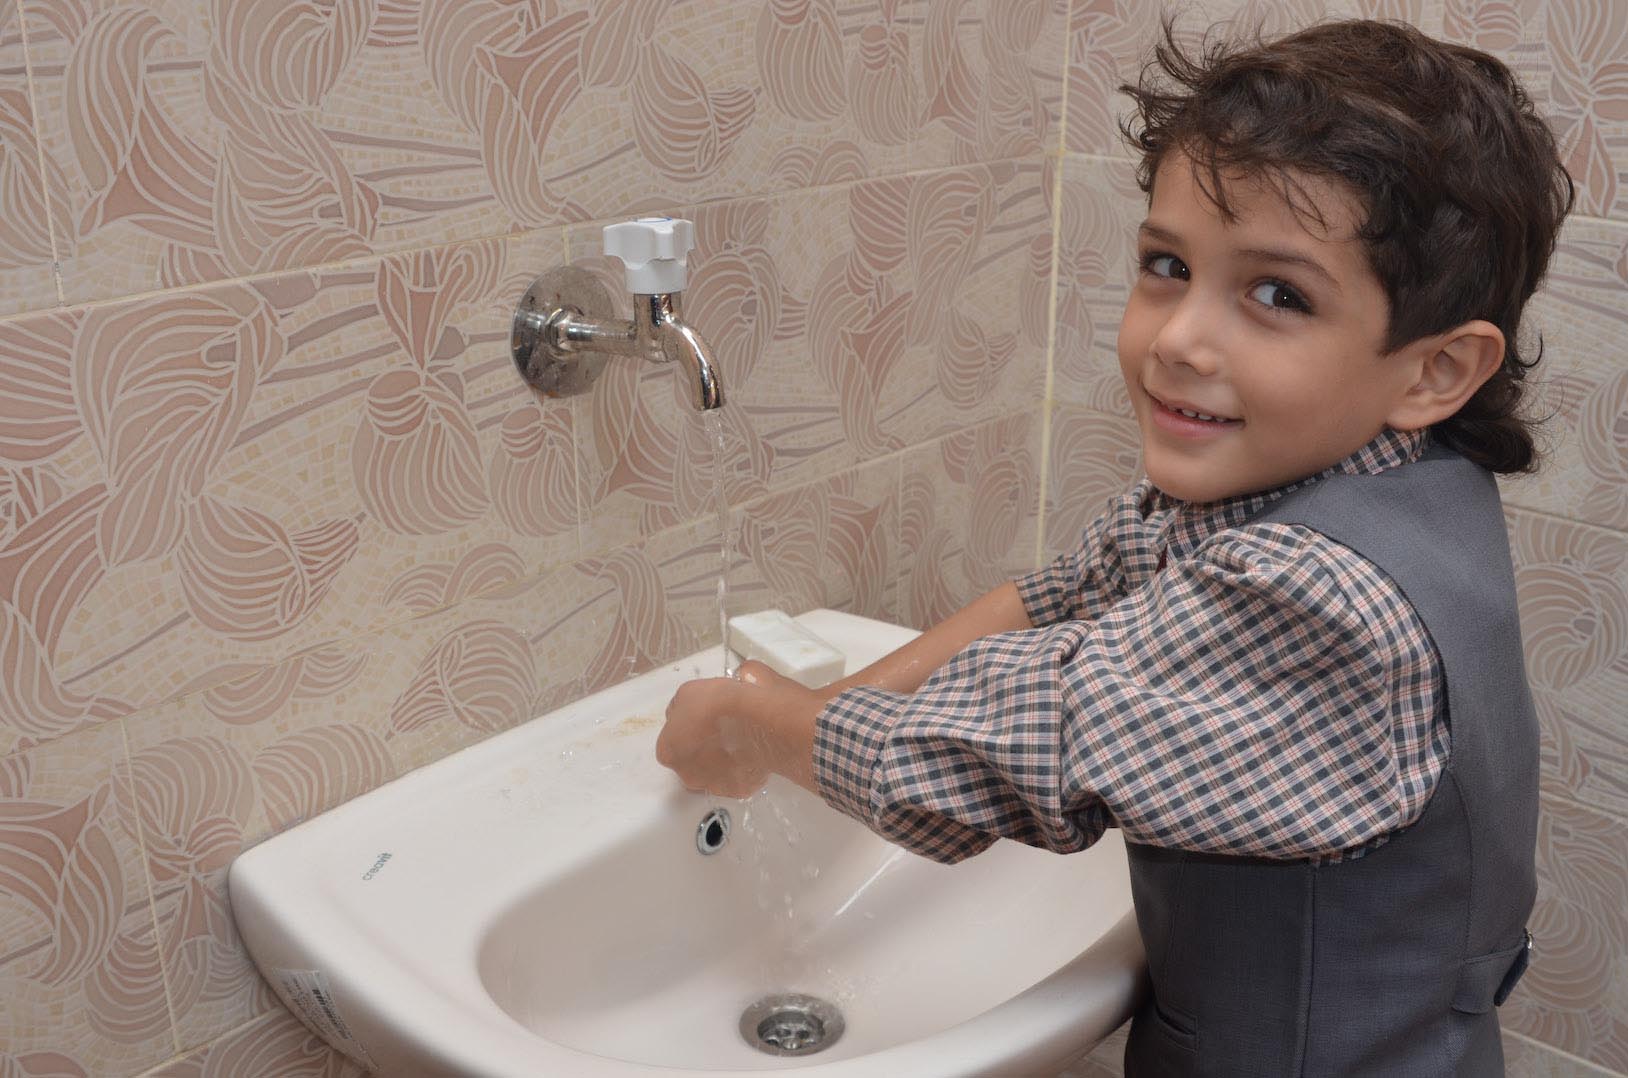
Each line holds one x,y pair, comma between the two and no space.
1195,485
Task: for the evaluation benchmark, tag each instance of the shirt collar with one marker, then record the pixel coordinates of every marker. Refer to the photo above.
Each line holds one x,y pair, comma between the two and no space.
1191,522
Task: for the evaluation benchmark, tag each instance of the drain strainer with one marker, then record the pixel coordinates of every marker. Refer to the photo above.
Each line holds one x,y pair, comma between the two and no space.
791,1025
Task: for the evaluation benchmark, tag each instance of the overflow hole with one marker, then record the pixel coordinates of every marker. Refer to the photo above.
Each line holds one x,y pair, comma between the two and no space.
713,831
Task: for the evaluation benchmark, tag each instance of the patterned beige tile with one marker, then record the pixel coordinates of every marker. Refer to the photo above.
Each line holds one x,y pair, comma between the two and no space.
1094,458
1573,585
195,797
1568,54
1575,995
1096,266
1110,40
992,75
274,1045
31,201
223,769
237,473
1107,45
967,513
118,95
80,978
1106,1060
203,142
1580,387
833,543
850,321
196,147
1524,1058
723,100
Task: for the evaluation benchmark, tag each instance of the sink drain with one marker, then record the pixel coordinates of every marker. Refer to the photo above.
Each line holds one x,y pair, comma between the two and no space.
791,1025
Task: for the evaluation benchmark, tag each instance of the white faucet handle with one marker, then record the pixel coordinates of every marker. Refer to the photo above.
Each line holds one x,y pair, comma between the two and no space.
655,251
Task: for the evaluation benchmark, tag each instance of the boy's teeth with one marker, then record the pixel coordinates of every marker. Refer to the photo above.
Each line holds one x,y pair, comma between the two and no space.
1196,415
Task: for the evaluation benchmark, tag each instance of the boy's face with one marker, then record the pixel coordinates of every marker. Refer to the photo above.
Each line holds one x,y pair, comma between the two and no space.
1268,324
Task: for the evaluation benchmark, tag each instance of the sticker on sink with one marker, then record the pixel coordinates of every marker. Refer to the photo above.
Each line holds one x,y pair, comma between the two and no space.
307,994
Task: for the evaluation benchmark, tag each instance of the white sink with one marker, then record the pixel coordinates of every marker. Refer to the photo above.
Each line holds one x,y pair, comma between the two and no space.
538,904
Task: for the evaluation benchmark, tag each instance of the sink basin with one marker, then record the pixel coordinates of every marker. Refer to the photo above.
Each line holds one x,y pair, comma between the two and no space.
551,901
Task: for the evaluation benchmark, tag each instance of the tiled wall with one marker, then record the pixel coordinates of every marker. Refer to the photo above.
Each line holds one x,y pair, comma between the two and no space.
277,521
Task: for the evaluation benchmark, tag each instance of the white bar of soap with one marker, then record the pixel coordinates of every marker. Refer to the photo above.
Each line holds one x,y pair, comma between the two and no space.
774,639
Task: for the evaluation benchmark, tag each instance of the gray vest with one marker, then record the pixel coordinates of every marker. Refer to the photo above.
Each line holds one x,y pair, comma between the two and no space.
1390,964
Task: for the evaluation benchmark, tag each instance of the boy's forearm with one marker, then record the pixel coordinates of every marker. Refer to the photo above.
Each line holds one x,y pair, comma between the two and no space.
785,719
903,670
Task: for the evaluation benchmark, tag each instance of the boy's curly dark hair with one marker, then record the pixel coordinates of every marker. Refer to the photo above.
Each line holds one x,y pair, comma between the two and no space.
1461,180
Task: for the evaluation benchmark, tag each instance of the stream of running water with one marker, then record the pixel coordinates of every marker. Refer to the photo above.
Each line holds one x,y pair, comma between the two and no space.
715,429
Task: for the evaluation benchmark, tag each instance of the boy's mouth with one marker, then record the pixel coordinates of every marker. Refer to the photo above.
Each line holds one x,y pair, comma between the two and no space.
1181,410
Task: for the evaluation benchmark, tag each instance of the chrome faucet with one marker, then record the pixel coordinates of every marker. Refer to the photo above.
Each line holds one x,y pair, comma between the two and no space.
563,327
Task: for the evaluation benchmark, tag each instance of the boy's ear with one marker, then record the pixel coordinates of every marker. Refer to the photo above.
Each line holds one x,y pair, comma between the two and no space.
1447,369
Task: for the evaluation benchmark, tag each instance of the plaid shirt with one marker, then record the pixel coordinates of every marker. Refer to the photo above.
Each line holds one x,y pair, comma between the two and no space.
1197,681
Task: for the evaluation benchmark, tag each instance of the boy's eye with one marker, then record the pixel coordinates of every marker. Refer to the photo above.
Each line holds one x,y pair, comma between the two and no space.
1161,265
1279,296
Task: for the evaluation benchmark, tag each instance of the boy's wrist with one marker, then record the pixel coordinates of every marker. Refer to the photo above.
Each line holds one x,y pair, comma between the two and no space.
795,724
787,714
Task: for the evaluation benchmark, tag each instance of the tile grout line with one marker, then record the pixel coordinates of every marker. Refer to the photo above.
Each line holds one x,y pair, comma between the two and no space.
182,1054
575,405
898,456
1570,800
361,262
506,237
1544,1046
1048,393
898,540
39,158
530,576
140,830
343,264
1123,159
1562,519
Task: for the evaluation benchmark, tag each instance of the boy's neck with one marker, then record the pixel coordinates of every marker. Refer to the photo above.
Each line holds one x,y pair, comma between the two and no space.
1388,449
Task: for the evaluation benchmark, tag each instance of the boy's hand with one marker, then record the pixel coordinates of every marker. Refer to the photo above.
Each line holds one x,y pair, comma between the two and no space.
725,735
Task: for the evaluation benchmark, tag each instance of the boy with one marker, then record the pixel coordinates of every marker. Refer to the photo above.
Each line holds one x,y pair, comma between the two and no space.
1287,665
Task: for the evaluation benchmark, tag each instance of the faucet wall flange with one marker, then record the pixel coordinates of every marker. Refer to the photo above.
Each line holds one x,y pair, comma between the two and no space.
551,358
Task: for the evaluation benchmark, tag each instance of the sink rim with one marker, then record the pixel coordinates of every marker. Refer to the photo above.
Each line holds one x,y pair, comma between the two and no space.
432,985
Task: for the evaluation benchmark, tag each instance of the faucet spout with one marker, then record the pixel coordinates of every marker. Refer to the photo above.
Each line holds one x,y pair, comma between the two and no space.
564,326
661,333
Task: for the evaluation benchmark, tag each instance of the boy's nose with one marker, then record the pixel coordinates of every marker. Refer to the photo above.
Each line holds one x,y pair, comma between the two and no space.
1188,337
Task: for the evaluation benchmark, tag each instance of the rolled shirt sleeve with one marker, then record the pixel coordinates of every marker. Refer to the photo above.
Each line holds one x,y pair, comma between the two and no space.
1271,695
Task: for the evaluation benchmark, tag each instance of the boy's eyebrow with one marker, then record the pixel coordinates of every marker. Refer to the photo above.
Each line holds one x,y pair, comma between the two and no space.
1266,254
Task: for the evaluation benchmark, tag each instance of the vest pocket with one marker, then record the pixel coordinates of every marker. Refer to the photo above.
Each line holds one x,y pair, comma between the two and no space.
1179,1032
1160,1046
1485,981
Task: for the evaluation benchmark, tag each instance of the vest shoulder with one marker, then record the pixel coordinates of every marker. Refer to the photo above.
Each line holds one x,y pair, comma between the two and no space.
1441,488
